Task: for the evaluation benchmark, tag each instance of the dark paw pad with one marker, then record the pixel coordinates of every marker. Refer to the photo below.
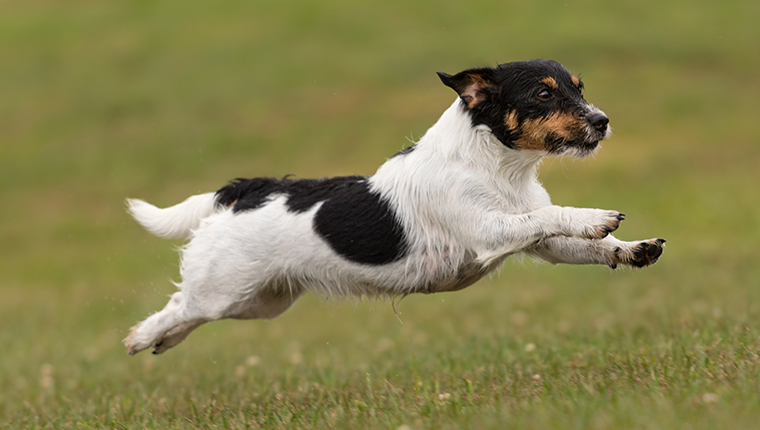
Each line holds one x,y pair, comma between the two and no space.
647,253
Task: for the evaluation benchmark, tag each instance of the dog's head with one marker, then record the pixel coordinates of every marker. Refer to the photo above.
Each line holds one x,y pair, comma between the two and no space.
532,105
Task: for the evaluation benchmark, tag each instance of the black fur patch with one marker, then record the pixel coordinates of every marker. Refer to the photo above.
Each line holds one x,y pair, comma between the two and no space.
248,194
356,222
361,226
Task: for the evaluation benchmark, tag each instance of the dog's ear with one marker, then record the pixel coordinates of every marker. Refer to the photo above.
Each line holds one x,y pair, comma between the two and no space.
473,85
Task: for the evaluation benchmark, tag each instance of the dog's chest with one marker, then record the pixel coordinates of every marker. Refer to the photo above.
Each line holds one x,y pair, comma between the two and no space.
519,198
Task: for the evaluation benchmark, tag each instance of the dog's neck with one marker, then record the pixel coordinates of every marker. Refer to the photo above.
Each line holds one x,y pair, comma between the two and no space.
453,150
457,140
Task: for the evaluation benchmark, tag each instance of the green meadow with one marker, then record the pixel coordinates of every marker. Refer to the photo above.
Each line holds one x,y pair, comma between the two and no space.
103,100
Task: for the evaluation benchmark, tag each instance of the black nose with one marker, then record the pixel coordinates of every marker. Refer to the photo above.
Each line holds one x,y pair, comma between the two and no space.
599,121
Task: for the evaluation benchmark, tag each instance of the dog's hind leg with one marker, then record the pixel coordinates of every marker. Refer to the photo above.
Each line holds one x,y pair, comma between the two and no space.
266,304
176,335
173,320
170,326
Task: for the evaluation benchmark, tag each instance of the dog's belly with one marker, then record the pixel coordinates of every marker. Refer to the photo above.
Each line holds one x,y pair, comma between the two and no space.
468,273
465,277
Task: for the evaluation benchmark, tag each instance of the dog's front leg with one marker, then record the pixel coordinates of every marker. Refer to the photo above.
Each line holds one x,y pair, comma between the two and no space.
608,251
504,234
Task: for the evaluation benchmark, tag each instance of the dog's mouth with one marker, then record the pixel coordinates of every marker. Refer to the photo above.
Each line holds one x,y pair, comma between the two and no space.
596,130
583,143
577,148
587,148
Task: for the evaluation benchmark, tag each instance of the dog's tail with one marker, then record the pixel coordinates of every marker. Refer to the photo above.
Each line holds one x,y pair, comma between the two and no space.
175,222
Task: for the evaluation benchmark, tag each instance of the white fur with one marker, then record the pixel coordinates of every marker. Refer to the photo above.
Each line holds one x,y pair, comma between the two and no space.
175,222
466,203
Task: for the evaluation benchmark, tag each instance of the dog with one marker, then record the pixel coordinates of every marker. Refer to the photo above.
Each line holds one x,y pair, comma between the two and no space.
435,217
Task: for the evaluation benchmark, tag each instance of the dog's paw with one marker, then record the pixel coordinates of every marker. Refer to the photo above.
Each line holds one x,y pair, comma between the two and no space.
598,223
131,343
643,254
135,342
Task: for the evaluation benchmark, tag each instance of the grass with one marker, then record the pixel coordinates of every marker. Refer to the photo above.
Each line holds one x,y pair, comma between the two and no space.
160,100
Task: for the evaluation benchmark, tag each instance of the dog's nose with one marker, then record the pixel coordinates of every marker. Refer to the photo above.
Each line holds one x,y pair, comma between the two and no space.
599,121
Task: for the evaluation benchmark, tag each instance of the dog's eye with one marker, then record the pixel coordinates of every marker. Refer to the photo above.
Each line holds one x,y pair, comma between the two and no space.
544,95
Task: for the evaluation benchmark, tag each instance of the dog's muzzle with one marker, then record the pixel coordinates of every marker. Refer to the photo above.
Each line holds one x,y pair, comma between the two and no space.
599,122
598,125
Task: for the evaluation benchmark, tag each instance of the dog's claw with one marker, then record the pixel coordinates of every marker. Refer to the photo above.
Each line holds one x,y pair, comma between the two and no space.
157,348
611,224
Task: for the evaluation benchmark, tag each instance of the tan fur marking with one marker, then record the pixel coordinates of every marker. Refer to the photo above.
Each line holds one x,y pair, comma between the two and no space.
576,81
510,120
531,136
550,82
534,132
565,125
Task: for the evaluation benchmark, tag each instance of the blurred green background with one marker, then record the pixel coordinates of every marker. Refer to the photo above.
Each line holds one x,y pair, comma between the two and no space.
103,100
